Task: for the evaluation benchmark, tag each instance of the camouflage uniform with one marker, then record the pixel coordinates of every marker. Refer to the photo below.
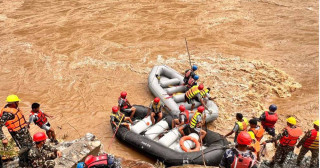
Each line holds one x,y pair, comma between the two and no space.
282,151
315,152
22,138
43,157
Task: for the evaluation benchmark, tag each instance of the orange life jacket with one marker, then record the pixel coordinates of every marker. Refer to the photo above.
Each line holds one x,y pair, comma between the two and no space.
313,141
292,138
186,114
42,119
18,122
240,161
191,82
258,133
270,120
125,104
256,146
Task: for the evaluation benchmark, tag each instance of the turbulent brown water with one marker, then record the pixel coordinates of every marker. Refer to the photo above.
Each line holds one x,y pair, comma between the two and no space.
75,57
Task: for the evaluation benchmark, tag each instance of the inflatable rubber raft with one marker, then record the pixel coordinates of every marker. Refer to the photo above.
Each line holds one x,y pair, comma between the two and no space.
163,143
167,84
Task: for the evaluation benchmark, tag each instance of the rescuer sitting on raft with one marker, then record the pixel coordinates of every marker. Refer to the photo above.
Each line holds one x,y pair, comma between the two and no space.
40,118
195,124
155,108
189,73
182,119
192,82
117,117
125,106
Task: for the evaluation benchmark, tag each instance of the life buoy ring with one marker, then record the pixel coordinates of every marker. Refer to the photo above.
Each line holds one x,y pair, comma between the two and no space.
185,138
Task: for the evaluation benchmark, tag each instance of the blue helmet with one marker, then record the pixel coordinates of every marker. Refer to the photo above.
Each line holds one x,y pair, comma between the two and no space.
194,67
196,77
272,107
80,165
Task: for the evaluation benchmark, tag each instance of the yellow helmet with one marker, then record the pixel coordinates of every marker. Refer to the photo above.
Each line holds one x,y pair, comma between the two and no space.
252,135
12,98
316,123
292,120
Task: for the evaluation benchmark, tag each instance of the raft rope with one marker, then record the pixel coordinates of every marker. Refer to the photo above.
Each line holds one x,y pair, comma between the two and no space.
115,132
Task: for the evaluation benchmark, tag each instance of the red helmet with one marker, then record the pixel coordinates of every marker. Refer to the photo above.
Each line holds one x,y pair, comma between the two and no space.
40,136
200,87
156,100
182,108
114,109
244,138
123,94
200,109
88,159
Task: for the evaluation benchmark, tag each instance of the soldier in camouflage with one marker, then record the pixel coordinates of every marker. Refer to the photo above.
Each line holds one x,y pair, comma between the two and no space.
12,117
288,139
42,155
310,142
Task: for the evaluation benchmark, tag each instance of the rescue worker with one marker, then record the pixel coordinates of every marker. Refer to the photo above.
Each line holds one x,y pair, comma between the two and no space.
117,117
192,82
193,94
268,120
310,142
155,110
183,117
288,139
13,118
189,73
104,160
240,125
256,129
255,145
196,123
125,106
241,155
42,155
40,118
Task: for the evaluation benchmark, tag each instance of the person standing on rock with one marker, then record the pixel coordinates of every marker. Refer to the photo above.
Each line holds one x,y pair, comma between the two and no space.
189,73
310,142
241,155
13,118
268,120
125,106
288,139
40,118
42,155
256,129
240,125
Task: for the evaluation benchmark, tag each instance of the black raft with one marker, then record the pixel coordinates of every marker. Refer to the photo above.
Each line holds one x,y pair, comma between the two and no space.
215,143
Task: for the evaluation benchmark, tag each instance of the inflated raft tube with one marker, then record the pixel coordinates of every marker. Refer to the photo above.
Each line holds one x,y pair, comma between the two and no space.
167,84
215,145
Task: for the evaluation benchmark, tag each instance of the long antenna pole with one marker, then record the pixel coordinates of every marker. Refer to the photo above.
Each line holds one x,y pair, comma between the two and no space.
188,51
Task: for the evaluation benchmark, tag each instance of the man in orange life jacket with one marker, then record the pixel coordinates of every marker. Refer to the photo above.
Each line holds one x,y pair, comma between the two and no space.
40,118
256,129
192,82
241,155
189,73
255,145
12,117
310,142
288,139
125,106
182,119
240,125
268,120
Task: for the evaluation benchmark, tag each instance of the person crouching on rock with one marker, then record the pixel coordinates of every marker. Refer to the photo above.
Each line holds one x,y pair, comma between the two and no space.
42,155
40,118
117,117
